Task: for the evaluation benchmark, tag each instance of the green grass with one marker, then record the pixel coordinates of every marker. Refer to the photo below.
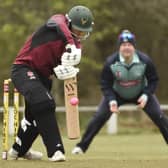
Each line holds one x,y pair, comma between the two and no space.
137,145
145,150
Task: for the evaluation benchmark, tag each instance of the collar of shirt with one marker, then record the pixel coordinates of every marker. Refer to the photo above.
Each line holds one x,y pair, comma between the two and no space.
134,60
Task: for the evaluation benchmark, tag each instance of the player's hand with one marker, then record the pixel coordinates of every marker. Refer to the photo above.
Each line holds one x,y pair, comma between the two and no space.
72,56
113,106
65,72
142,101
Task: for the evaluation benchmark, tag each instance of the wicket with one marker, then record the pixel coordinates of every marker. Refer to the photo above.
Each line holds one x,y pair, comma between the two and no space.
6,107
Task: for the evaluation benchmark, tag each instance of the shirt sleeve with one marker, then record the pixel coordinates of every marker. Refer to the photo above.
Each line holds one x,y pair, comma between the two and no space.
107,80
152,78
59,23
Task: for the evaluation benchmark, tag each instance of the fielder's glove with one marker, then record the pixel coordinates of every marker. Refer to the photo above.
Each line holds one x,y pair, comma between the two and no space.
72,56
65,72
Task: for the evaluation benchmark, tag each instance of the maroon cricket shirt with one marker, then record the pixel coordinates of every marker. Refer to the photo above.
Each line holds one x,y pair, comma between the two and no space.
43,49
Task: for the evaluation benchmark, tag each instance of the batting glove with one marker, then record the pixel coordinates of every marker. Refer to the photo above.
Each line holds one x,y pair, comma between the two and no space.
65,72
72,56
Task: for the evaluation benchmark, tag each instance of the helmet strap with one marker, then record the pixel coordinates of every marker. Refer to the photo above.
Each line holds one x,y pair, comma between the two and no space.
81,38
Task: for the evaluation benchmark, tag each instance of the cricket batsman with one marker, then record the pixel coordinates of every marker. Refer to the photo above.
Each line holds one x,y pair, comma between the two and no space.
128,76
43,54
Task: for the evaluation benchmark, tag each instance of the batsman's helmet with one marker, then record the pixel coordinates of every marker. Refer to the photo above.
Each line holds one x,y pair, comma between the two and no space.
126,36
81,18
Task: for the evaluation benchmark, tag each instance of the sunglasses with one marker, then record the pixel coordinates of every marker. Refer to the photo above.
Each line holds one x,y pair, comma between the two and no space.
126,36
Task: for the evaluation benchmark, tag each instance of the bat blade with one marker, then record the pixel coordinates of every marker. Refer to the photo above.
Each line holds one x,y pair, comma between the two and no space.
72,113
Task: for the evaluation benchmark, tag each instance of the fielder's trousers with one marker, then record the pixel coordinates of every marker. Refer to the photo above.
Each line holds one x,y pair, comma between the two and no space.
152,109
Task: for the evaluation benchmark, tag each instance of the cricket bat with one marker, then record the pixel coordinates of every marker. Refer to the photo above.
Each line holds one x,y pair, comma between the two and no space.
71,108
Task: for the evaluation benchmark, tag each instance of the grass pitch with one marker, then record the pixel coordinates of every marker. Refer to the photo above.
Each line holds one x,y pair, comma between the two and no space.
106,151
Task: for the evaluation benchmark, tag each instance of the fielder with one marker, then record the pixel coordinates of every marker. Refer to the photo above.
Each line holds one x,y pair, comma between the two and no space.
44,53
128,76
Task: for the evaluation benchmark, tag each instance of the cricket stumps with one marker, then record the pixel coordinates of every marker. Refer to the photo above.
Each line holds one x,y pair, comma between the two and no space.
6,107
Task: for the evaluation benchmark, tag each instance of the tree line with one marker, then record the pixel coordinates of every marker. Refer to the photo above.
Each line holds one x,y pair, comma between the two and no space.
146,19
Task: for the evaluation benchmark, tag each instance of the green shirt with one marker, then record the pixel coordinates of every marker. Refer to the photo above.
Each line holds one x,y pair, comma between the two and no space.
129,78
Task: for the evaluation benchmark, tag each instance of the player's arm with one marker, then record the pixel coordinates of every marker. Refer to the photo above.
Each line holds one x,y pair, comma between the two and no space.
152,78
107,80
72,52
152,81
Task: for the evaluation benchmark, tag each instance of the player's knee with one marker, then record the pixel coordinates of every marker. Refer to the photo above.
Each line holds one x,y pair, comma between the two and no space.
42,108
36,93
